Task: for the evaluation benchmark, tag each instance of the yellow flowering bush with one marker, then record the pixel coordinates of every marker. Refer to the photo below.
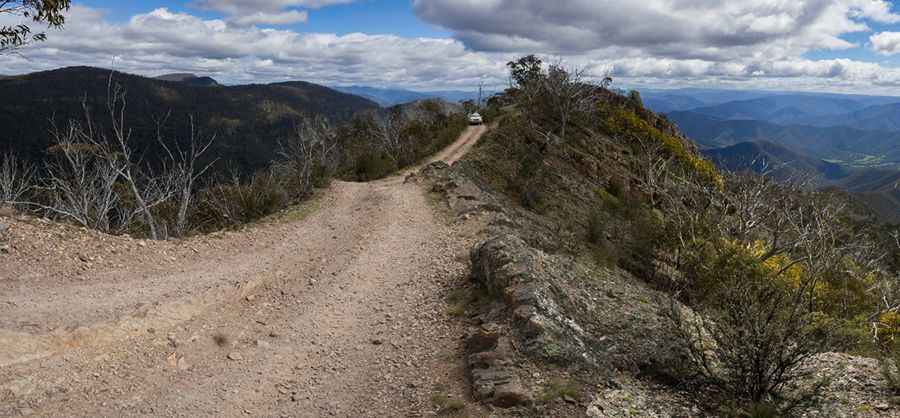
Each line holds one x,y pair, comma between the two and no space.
623,121
888,326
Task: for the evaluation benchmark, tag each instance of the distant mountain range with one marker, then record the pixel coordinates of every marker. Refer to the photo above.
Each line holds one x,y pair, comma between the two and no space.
848,141
875,118
665,101
875,113
190,79
839,143
782,109
390,97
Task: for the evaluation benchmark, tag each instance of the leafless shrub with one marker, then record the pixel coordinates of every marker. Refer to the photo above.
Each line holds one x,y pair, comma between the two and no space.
654,166
754,257
553,97
16,179
886,328
80,179
96,179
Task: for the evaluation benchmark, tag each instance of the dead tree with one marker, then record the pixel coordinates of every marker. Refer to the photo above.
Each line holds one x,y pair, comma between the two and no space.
387,134
16,179
567,92
148,190
654,168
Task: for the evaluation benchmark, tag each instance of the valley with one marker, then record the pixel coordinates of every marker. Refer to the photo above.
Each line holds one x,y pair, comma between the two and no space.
846,141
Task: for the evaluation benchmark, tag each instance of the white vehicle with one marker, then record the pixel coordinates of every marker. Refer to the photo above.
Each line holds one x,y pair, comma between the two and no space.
475,119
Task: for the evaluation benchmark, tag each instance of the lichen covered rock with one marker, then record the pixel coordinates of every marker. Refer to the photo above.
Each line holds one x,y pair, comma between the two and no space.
507,267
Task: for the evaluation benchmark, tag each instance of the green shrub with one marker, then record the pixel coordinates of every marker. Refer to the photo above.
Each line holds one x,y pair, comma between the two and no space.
889,362
235,203
751,334
373,166
527,179
891,372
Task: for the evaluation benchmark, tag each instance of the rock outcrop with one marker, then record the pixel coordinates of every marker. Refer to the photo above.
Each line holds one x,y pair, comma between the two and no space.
490,360
508,268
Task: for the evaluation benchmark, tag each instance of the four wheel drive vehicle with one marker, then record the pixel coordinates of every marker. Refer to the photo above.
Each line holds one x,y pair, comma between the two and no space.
475,119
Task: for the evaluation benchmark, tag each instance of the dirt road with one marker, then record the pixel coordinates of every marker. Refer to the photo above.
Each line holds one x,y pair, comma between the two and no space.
335,309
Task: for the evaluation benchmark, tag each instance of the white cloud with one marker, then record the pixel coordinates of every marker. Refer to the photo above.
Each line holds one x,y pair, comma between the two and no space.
281,18
267,12
162,41
238,6
887,43
682,29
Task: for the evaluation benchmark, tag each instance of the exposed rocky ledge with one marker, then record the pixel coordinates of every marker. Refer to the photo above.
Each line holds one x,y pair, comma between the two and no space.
508,268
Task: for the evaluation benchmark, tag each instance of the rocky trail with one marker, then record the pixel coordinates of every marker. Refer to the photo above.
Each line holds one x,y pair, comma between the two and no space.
336,308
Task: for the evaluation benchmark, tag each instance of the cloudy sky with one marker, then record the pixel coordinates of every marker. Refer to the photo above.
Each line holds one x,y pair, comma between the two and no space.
824,45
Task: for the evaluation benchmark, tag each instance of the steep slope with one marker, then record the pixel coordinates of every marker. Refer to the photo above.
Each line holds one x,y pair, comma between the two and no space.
248,120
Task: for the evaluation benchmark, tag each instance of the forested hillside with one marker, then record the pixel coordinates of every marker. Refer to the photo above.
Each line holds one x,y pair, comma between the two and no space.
246,120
